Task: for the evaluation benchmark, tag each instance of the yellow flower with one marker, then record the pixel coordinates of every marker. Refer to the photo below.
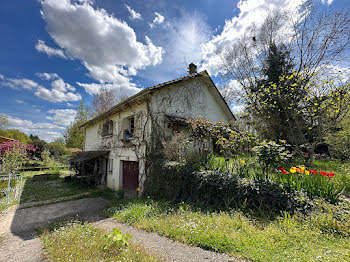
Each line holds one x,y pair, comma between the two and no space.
243,162
293,169
302,168
307,172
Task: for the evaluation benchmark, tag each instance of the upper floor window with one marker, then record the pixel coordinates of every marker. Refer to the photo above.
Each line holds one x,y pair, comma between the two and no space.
107,128
130,127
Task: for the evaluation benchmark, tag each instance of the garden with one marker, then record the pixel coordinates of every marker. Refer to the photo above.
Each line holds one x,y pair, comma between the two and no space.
251,199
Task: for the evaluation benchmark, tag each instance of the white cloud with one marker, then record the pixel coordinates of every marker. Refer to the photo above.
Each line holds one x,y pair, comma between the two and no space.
47,76
55,95
1,76
17,83
182,38
47,131
158,19
133,14
60,91
19,101
252,13
107,47
120,91
62,117
329,2
42,47
69,104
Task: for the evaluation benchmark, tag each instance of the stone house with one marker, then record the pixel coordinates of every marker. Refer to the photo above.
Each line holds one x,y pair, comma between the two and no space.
117,141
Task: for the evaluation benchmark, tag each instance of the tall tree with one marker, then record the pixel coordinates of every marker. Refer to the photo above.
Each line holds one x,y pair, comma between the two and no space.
73,136
103,100
279,68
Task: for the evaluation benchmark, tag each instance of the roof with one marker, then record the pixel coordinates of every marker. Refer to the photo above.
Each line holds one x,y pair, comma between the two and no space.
74,149
6,139
147,90
87,155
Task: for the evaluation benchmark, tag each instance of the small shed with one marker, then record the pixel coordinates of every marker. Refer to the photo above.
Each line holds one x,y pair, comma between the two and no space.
91,167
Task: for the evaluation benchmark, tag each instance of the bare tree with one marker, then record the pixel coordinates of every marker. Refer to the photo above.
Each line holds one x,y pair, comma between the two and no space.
315,40
103,101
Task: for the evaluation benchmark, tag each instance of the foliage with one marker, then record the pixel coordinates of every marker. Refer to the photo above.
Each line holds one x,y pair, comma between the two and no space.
175,148
3,121
272,154
15,134
284,86
340,140
324,233
76,241
58,151
45,156
73,136
220,190
39,144
314,183
14,154
228,140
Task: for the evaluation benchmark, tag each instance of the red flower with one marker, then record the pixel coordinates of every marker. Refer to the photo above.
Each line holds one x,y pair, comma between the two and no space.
281,168
284,172
315,172
311,171
331,175
323,173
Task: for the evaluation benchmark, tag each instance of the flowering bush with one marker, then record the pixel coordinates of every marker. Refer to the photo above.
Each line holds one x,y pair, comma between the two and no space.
13,155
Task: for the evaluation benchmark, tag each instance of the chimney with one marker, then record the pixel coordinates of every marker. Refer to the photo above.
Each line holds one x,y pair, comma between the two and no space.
192,69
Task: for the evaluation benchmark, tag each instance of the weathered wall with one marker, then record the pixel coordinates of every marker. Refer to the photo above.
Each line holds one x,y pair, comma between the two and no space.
192,98
133,150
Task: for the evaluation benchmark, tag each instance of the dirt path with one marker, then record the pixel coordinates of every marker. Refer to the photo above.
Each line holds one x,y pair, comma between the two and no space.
167,248
17,226
21,243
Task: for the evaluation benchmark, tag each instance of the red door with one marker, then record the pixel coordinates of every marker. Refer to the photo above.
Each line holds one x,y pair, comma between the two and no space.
130,176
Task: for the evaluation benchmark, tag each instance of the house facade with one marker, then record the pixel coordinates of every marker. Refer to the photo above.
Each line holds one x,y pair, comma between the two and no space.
117,141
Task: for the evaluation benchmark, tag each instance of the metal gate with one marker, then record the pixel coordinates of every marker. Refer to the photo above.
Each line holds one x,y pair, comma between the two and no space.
10,190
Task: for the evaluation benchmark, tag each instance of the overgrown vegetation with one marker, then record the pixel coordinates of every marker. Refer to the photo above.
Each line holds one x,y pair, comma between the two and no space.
76,241
322,235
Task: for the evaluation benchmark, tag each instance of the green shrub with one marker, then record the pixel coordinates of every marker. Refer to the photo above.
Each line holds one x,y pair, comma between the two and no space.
271,154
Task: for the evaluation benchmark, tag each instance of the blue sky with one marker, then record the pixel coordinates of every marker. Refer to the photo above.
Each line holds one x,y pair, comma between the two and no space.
54,53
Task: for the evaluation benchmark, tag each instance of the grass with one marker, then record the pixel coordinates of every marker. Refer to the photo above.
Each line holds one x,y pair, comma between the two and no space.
56,187
76,241
323,235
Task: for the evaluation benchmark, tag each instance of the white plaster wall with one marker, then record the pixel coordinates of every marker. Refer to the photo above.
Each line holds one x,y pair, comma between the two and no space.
118,150
192,98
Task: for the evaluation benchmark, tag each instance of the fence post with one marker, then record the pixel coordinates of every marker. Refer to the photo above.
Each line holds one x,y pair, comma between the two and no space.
8,191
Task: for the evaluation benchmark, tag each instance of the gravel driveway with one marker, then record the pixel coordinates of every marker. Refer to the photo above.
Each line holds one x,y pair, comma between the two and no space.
17,226
21,243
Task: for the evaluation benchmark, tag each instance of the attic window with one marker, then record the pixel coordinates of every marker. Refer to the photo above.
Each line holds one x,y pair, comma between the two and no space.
130,127
107,129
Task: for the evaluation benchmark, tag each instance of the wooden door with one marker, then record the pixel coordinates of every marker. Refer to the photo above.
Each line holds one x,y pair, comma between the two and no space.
130,176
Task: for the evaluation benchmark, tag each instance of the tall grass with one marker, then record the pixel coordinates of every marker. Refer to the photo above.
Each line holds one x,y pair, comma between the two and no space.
322,235
76,241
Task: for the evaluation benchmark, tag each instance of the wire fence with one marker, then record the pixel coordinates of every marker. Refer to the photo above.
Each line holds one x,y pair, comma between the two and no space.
10,190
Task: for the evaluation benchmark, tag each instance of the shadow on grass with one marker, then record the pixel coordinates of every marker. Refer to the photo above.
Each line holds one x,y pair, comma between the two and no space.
26,220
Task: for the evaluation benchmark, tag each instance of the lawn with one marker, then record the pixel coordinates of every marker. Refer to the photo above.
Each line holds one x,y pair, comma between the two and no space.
76,241
322,235
51,189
